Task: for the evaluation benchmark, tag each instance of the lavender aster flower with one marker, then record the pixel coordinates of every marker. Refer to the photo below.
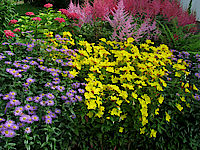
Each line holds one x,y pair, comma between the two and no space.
81,90
60,88
35,118
29,99
27,130
2,119
73,91
33,63
8,133
50,96
58,111
8,62
59,60
15,127
48,121
50,103
29,80
79,98
25,67
69,94
64,97
26,84
197,75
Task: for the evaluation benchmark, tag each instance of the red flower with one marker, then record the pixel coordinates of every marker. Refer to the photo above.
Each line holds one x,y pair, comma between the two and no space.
48,5
9,33
30,14
12,22
16,30
60,20
36,18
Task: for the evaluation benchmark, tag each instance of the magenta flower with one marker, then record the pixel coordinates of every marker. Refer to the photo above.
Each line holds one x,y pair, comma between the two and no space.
9,33
60,20
48,5
12,22
36,19
29,13
17,30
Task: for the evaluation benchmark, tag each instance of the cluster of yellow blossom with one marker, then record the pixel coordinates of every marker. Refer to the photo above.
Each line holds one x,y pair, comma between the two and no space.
119,74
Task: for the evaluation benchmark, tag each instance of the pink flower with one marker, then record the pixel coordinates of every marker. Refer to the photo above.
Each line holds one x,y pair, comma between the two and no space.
64,11
73,16
37,18
12,22
9,33
17,30
48,5
60,20
30,14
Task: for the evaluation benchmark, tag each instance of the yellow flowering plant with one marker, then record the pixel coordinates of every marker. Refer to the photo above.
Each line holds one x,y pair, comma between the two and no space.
129,88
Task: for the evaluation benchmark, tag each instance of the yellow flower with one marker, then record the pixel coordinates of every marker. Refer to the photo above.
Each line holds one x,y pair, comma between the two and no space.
177,74
195,88
156,111
134,95
153,133
121,129
130,40
91,104
67,33
142,130
144,121
103,40
179,107
161,99
186,85
187,91
90,114
73,72
167,117
183,99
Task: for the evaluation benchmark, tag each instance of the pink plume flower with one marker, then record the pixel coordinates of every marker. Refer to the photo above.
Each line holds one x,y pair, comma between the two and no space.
60,20
9,33
73,16
17,30
36,18
29,13
48,5
12,22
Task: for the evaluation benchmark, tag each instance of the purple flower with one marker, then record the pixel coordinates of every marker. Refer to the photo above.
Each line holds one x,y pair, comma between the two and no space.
28,107
37,99
2,119
17,75
197,75
68,102
48,121
8,125
20,124
35,118
50,103
50,96
8,133
26,84
53,115
12,93
29,58
8,62
64,97
17,112
16,64
27,130
40,60
15,127
56,82
2,57
25,67
43,103
60,88
29,80
58,111
59,60
25,61
29,99
73,99
79,98
48,84
51,70
70,76
76,85
42,67
69,94
33,63
73,116
81,90
9,53
73,91
15,102
55,74
6,97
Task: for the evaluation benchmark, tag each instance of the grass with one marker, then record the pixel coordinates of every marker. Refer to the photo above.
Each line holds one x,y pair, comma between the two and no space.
21,9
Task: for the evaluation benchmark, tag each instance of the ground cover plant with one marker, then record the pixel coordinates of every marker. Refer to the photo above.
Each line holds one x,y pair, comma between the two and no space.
63,90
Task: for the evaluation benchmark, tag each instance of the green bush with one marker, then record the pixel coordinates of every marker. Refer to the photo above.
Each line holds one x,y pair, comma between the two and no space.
7,12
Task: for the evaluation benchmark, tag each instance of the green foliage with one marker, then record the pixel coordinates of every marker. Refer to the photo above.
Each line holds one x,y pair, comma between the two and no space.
7,12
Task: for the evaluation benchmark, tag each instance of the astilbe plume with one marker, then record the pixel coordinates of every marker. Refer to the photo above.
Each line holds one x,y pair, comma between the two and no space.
102,8
121,23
